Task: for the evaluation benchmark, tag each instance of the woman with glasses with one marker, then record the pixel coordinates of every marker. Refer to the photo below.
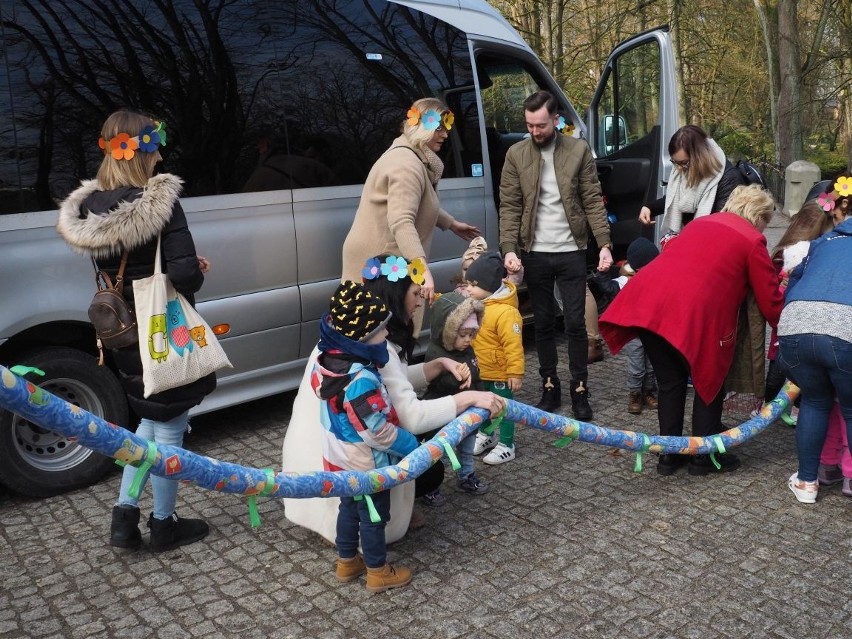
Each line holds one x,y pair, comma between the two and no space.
399,206
700,182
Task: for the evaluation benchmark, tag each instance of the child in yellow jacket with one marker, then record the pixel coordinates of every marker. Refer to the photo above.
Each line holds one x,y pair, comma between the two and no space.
498,346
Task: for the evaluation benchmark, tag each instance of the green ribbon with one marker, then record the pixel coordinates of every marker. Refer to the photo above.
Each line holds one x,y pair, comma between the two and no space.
451,455
495,422
637,467
21,370
254,515
720,447
565,440
374,514
142,470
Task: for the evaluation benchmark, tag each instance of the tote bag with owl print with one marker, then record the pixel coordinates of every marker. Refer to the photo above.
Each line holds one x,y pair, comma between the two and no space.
176,344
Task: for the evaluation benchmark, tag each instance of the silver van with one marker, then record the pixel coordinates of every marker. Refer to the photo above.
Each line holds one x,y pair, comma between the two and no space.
275,112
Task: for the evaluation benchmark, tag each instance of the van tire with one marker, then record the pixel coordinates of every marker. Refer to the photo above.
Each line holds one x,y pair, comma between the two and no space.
41,463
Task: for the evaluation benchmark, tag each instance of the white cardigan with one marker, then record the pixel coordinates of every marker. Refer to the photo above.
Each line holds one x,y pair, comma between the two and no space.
302,449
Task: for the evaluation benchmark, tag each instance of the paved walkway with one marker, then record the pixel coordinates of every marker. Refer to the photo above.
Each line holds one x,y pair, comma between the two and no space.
568,543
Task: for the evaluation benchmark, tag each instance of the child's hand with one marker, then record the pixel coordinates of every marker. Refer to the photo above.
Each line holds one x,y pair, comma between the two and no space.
460,371
514,383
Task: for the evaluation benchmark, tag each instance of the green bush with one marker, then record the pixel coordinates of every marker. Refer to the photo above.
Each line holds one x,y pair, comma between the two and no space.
830,163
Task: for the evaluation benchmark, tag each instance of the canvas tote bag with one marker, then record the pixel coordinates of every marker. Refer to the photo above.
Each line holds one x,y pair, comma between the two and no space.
176,344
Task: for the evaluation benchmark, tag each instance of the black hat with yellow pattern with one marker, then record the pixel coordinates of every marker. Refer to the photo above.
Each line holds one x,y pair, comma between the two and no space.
356,313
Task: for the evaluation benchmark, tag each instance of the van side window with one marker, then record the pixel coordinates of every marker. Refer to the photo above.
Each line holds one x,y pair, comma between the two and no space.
256,96
348,71
629,104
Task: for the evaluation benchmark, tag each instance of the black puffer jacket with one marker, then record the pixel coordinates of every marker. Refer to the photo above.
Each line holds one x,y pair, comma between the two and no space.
103,224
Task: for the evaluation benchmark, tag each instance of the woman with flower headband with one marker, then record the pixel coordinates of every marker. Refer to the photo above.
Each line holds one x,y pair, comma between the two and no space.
815,339
117,218
392,279
399,206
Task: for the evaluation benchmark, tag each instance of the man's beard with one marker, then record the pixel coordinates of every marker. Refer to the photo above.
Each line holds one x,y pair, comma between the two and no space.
546,142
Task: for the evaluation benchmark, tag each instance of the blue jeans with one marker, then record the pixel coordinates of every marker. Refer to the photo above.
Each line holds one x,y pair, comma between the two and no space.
640,373
353,518
165,490
821,366
466,447
568,272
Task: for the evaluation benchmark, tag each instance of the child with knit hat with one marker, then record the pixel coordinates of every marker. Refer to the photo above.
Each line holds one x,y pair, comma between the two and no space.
499,349
455,323
360,427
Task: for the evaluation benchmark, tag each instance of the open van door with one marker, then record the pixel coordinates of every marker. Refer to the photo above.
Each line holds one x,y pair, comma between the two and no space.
631,119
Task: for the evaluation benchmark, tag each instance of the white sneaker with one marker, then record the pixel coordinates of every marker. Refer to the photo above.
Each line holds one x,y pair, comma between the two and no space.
805,491
484,442
500,455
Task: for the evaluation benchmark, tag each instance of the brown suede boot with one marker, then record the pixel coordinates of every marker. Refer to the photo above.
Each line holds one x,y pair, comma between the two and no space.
634,403
350,569
649,399
596,350
387,577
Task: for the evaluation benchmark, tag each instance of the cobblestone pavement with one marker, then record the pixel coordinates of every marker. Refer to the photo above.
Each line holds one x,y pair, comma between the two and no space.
568,543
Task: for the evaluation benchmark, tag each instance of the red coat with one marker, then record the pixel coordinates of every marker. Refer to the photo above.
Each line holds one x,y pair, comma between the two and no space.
691,294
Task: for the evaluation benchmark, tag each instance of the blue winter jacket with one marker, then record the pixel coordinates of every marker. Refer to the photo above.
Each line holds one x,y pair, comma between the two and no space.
825,275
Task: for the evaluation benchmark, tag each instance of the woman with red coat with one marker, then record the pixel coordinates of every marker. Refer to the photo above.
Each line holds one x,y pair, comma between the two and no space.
684,305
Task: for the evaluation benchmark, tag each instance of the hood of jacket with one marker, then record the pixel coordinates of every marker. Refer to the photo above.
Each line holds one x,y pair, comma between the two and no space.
103,223
448,314
506,294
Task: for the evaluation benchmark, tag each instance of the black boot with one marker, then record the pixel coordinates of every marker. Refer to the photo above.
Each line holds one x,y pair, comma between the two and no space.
580,401
551,395
124,530
167,534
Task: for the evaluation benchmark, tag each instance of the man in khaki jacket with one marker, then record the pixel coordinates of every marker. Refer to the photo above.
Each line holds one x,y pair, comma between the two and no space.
550,199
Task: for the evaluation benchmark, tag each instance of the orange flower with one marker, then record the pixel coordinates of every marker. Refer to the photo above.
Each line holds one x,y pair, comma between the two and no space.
413,116
123,147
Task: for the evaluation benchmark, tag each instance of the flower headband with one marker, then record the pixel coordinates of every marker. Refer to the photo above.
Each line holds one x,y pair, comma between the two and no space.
842,189
566,128
431,119
124,147
395,268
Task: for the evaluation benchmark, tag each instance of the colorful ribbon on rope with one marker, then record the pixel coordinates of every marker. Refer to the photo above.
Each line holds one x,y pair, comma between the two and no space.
48,411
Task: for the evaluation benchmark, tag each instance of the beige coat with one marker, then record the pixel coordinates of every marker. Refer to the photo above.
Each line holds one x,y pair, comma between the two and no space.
577,178
398,212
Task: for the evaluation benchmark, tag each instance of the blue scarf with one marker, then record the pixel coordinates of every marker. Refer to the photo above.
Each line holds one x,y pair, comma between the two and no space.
330,339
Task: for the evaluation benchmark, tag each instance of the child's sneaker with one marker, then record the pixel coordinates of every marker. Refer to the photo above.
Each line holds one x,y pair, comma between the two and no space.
473,485
805,491
829,475
434,499
484,442
500,454
847,486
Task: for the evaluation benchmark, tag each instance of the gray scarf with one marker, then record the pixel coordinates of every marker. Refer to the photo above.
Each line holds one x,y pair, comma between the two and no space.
697,199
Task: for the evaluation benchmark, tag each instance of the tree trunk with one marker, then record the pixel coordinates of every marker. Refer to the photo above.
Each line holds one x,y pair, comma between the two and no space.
790,144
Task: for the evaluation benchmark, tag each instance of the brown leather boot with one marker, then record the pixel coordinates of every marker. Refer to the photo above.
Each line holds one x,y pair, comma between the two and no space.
596,350
649,399
634,403
350,569
387,577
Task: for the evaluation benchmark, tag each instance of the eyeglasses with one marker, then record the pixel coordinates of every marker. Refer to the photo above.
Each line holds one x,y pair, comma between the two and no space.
683,164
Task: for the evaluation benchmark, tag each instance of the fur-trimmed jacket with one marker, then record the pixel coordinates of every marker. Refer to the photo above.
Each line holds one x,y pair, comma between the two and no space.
449,312
103,224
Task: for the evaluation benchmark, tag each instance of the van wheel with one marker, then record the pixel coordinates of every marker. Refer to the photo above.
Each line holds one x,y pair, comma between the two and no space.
41,463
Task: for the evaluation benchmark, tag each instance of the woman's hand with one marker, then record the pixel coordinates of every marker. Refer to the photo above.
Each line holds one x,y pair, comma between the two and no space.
645,215
479,399
427,288
203,263
459,370
464,231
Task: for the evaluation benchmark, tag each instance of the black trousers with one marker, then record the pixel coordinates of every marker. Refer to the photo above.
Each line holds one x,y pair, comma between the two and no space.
568,272
672,371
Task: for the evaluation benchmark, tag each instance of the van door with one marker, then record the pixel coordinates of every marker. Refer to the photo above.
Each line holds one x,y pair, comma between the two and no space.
633,115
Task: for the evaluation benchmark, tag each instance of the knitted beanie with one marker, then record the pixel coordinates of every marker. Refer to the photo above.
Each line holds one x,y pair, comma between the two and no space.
640,252
356,313
486,272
